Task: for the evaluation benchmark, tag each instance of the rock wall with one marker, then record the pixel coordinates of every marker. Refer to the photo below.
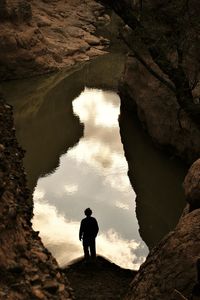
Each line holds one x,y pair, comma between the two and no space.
173,265
192,185
27,269
156,179
40,36
159,112
170,268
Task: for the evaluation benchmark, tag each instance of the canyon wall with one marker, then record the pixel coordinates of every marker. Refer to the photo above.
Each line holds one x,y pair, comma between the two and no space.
173,265
38,37
159,112
170,267
27,269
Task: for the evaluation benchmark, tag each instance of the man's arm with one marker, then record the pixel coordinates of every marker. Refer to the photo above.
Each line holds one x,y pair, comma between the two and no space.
81,231
97,227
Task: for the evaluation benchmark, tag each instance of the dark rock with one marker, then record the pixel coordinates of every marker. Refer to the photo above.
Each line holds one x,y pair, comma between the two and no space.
192,185
171,265
16,268
25,10
100,279
51,286
157,109
177,296
24,262
3,10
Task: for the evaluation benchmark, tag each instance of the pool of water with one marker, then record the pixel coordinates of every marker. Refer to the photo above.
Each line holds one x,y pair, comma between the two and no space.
68,125
93,174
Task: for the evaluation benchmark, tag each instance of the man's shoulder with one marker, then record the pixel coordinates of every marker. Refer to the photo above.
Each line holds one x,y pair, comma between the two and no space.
93,219
88,219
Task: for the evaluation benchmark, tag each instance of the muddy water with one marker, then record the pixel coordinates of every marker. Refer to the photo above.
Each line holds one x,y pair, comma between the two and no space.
68,125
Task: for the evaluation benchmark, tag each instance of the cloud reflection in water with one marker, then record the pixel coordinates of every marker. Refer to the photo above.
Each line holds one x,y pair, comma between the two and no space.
61,238
93,173
93,105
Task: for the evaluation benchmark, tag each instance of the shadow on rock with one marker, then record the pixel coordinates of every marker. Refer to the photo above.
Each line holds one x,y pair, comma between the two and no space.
99,279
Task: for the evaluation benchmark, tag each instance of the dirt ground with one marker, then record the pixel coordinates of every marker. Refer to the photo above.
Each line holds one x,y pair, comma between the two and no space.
98,280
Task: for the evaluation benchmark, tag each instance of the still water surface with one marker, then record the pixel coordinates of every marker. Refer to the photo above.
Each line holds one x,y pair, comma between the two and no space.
68,125
91,174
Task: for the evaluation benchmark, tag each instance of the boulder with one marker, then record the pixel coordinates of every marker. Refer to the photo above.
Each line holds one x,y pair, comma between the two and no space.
171,265
192,185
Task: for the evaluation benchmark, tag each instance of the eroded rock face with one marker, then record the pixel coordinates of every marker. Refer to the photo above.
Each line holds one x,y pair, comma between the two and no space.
40,36
158,110
15,11
27,269
192,185
171,265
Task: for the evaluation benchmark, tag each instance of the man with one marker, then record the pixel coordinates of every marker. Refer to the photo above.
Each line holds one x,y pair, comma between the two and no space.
88,232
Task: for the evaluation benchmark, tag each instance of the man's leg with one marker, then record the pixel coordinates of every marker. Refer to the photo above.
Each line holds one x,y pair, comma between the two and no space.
93,248
86,250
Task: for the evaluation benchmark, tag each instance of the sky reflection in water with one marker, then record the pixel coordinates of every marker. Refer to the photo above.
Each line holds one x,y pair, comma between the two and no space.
91,174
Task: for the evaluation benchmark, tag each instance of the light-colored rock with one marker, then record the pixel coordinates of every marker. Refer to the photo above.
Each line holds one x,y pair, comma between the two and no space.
95,52
38,294
61,287
74,31
47,35
92,40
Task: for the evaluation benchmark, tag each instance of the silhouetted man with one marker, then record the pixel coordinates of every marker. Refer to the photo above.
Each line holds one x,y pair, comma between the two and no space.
88,232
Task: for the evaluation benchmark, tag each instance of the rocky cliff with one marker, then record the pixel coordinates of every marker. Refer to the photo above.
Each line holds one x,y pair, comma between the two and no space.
159,112
192,186
38,37
170,269
42,36
28,270
171,265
